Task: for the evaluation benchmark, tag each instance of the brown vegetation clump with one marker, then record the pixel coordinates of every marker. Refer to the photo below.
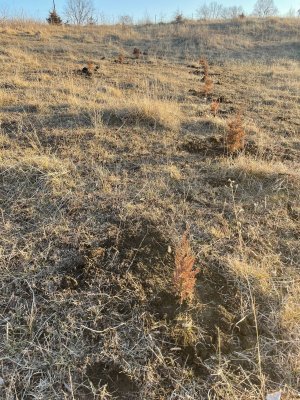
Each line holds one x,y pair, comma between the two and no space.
208,86
137,53
88,70
184,276
235,139
121,58
208,82
204,63
214,107
90,66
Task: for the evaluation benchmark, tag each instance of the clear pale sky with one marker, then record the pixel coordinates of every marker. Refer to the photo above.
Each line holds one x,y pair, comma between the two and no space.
135,8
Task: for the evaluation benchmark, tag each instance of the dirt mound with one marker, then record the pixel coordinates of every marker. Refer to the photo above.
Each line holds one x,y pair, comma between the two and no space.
211,146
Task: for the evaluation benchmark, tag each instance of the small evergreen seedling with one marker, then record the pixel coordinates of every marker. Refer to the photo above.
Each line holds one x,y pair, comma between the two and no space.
53,18
235,140
208,82
214,107
184,278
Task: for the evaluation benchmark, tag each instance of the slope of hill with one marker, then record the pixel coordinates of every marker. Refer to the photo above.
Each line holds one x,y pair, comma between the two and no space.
102,172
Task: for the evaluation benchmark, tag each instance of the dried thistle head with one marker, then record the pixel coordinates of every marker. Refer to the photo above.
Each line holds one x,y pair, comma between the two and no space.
184,278
235,139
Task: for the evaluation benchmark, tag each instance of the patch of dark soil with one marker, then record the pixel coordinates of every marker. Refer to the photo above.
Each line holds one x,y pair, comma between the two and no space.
128,85
217,181
197,72
228,111
140,243
268,153
73,270
25,108
165,305
118,383
196,93
193,66
192,356
60,107
129,116
221,316
203,127
216,315
215,146
225,100
293,211
6,85
136,246
109,117
9,127
211,146
112,39
38,122
68,121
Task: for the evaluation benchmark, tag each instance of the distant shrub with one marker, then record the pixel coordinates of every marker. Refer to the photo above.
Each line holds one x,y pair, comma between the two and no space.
54,18
179,18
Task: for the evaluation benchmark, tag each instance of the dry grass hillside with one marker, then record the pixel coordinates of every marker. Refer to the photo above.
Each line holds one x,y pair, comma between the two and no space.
114,178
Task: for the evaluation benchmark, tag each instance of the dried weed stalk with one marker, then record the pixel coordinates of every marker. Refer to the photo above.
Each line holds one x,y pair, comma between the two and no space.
184,276
235,139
